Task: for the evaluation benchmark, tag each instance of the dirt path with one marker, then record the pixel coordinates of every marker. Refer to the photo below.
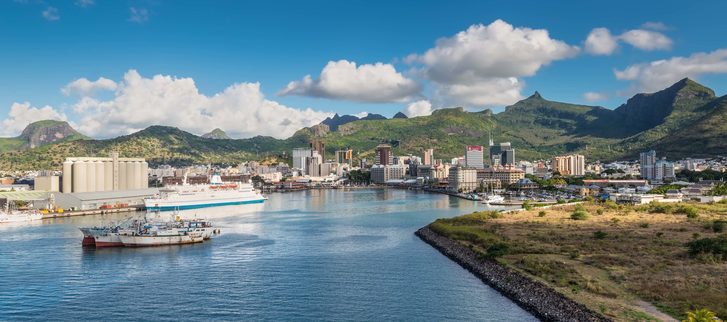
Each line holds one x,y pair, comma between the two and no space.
653,311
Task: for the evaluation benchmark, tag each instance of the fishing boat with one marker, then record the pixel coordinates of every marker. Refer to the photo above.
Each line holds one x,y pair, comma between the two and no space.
148,232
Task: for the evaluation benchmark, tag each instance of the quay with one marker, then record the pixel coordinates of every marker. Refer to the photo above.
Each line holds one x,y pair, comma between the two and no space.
91,212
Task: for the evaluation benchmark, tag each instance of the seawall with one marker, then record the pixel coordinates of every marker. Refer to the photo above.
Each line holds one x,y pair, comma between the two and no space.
537,298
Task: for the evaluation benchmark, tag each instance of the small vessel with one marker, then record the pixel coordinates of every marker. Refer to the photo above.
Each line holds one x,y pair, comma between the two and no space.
493,199
196,196
155,236
15,216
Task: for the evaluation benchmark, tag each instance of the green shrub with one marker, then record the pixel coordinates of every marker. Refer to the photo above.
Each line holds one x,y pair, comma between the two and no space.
716,246
579,207
690,211
527,205
599,234
562,201
644,225
599,212
718,226
610,204
541,213
579,215
498,249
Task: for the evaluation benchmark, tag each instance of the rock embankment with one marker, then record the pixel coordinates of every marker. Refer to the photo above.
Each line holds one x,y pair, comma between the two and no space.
539,299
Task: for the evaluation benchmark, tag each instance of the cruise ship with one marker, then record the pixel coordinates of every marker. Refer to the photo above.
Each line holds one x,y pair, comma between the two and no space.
197,196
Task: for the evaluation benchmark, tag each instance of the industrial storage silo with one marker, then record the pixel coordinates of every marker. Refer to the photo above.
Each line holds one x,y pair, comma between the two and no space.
79,176
137,175
90,176
122,175
67,176
130,173
100,176
108,174
144,175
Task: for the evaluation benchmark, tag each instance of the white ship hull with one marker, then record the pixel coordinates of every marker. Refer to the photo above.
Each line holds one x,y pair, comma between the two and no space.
195,197
147,241
15,217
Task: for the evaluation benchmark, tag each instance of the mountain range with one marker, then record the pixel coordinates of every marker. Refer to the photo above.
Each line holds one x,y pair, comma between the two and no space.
685,119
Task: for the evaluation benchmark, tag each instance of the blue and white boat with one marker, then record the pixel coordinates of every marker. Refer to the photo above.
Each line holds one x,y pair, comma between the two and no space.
196,196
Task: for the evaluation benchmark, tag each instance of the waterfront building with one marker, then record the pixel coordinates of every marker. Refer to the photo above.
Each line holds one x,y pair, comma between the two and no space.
104,174
506,175
428,157
462,179
383,155
318,146
382,173
474,157
569,165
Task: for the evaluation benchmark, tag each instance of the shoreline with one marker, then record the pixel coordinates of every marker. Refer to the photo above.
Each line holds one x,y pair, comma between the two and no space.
535,297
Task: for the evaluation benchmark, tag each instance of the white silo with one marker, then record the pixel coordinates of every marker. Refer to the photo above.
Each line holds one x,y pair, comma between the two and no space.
90,176
100,176
137,175
67,176
130,183
108,175
79,176
122,175
144,175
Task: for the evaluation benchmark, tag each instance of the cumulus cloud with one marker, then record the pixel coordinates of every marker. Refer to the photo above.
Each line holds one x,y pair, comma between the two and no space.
656,75
22,114
373,83
85,87
138,15
646,39
601,42
51,14
482,64
241,109
418,108
595,96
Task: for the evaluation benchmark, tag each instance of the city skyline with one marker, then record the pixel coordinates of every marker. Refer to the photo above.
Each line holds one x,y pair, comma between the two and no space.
110,89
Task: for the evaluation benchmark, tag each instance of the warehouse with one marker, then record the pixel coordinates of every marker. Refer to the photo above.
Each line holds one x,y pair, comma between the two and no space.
103,199
104,174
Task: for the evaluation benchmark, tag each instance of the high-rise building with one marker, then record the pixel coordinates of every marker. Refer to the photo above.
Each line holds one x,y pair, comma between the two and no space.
502,154
569,165
663,169
428,157
474,157
462,179
647,161
384,173
344,156
300,156
320,147
313,164
383,155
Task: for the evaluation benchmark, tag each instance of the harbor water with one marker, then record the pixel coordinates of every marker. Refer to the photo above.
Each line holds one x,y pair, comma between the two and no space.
311,255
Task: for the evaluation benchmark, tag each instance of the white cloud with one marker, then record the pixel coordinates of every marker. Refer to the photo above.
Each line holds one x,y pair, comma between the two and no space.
51,14
85,87
601,42
595,96
22,114
138,15
376,83
646,39
659,74
482,64
85,3
241,109
418,108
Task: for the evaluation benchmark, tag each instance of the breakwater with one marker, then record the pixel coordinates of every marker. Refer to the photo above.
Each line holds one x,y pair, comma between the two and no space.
539,299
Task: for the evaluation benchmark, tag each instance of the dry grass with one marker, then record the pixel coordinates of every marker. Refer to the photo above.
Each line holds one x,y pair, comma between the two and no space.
616,257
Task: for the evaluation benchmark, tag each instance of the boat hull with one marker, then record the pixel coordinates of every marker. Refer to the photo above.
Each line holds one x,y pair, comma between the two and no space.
163,205
149,241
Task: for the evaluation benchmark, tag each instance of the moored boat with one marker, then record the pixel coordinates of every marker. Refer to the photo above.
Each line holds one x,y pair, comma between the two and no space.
217,193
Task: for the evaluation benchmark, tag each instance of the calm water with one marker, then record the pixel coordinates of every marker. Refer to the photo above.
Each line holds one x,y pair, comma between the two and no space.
313,255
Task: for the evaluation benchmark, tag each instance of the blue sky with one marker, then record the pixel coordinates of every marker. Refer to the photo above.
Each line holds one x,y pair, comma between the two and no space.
49,44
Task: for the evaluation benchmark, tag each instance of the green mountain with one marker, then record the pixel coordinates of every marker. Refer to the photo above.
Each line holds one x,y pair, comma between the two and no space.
41,133
216,134
685,119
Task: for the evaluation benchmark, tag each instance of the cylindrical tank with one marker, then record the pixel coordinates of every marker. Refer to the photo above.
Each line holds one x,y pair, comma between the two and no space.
130,183
137,175
108,176
79,176
122,175
67,176
100,176
90,176
144,175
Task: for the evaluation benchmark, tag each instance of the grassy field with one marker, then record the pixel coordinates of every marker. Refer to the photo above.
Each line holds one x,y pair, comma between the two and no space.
631,263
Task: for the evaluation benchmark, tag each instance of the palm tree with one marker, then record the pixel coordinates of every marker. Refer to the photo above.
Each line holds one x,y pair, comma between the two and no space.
702,315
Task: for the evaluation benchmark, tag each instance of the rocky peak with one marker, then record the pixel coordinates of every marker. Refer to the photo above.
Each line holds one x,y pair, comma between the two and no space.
217,134
49,131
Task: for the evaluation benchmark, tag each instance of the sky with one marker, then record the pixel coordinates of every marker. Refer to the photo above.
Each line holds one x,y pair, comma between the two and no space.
272,67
